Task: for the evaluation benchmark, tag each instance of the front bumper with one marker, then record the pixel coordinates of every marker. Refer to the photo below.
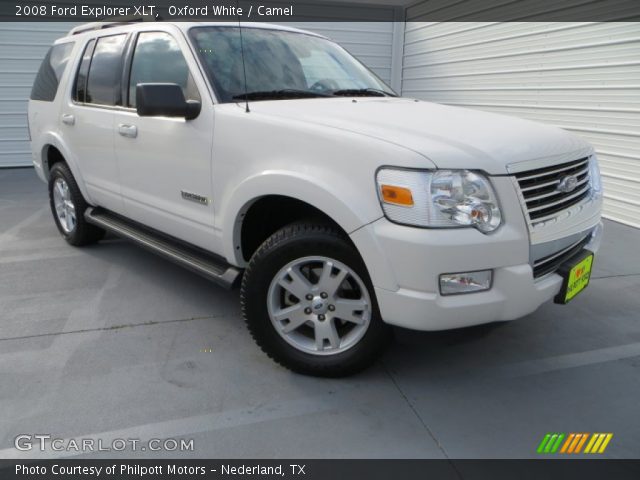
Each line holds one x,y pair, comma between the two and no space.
405,264
514,294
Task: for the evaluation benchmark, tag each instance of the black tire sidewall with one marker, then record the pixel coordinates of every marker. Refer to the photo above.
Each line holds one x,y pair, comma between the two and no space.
83,233
293,242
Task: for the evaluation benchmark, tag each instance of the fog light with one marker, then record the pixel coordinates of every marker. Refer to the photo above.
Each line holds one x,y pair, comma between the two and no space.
465,282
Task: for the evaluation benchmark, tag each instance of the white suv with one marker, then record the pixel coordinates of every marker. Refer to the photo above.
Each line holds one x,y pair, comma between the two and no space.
270,157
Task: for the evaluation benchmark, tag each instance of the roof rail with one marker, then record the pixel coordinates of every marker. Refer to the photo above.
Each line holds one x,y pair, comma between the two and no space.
108,23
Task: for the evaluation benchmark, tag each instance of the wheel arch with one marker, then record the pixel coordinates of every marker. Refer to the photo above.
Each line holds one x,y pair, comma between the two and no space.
258,222
54,150
295,195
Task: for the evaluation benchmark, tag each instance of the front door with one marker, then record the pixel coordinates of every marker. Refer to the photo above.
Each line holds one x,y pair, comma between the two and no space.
165,163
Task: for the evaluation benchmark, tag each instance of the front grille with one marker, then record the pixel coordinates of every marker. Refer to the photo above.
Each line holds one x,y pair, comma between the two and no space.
539,188
551,263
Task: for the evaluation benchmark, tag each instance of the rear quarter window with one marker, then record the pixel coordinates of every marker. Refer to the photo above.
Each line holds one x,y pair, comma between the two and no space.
48,78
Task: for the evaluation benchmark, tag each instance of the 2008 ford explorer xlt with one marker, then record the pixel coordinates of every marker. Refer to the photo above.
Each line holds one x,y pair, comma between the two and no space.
271,158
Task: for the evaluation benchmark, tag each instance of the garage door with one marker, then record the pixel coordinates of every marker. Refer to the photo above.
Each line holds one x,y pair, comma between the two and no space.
22,48
584,77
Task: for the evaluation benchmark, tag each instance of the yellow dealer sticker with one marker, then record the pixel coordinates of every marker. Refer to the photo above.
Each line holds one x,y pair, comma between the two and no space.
578,278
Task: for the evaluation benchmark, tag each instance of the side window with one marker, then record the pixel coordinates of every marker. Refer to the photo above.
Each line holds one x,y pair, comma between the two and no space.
80,86
105,71
157,59
46,84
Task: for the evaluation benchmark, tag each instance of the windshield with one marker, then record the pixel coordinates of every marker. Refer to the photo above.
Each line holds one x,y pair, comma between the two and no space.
280,65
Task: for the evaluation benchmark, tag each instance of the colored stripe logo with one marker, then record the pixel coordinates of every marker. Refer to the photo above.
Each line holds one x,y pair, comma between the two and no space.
574,443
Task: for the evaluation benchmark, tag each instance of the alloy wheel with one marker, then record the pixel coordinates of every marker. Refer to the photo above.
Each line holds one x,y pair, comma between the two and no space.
65,209
319,305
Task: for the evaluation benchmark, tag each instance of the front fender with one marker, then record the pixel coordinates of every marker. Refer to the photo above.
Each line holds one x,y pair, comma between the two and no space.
336,196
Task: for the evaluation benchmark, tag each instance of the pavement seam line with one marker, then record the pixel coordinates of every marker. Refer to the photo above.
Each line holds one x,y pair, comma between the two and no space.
422,422
617,276
566,361
114,327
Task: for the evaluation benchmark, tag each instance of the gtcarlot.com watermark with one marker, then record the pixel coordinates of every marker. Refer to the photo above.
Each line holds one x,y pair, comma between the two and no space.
44,442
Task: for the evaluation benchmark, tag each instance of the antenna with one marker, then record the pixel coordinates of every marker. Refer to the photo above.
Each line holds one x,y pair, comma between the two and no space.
244,66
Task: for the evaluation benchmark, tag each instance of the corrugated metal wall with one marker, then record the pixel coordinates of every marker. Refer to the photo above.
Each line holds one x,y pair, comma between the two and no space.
22,48
584,77
24,45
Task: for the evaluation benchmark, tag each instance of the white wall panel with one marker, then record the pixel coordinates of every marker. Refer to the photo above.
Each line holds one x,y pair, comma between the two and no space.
23,45
584,77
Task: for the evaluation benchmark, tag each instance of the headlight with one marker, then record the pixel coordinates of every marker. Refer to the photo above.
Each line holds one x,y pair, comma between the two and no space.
439,198
594,176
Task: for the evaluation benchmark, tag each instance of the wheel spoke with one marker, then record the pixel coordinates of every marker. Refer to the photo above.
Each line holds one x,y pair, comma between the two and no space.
294,324
329,282
60,189
63,222
295,315
71,220
345,310
326,331
298,285
65,189
287,312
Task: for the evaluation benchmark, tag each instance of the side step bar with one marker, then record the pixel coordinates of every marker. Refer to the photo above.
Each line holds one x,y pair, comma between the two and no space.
195,259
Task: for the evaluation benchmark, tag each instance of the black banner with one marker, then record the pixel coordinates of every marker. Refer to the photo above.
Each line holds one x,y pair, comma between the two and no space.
322,469
321,10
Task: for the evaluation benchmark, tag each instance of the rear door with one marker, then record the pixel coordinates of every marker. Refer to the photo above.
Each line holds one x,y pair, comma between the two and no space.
165,163
87,118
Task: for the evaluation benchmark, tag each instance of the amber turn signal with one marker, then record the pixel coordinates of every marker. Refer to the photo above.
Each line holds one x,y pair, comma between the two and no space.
396,195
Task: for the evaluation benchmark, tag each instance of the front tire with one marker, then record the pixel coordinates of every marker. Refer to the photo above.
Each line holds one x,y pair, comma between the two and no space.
68,207
309,303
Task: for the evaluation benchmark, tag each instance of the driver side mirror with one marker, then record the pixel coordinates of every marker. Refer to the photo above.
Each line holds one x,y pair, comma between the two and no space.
165,100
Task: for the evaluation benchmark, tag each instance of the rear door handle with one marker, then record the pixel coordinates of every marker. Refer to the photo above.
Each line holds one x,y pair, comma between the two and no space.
130,131
68,119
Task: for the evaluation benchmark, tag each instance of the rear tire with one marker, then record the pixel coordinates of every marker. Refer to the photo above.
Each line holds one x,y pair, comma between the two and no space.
68,207
331,325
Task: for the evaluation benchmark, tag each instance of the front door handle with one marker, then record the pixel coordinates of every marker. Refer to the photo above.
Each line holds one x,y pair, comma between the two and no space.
130,131
68,119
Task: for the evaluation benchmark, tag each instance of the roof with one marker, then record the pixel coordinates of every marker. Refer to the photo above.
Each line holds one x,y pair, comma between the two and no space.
93,26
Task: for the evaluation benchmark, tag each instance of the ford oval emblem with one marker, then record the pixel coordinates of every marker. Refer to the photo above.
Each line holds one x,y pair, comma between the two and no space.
568,184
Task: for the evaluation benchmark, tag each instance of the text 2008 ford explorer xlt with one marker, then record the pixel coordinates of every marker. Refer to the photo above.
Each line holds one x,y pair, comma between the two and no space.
270,157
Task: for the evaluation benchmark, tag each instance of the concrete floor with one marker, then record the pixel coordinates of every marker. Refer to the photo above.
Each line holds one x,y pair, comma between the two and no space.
112,342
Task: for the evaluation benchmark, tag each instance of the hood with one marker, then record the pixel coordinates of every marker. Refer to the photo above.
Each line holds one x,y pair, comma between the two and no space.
450,137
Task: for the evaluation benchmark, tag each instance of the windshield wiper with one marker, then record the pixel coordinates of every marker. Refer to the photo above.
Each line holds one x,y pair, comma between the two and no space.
283,93
363,92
